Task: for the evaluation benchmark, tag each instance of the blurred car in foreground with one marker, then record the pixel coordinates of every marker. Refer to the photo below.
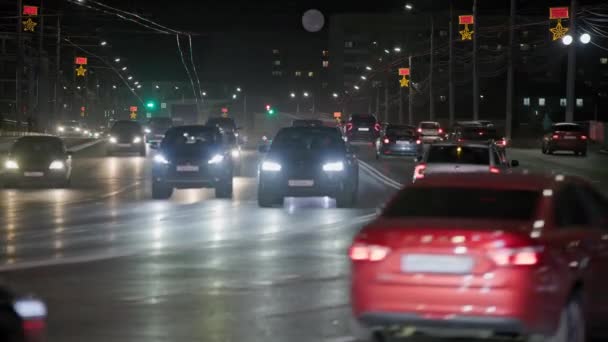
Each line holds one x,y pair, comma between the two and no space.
22,319
126,136
70,128
462,158
480,256
398,140
430,131
38,160
192,157
155,128
306,123
565,137
362,127
308,162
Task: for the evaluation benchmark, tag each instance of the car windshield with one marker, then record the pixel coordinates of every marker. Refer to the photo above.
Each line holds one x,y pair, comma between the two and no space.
72,123
37,146
363,119
567,128
160,123
126,127
191,137
429,125
453,154
480,133
225,124
307,139
307,123
399,131
464,203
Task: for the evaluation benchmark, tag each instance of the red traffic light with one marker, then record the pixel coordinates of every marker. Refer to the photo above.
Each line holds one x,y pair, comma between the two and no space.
267,107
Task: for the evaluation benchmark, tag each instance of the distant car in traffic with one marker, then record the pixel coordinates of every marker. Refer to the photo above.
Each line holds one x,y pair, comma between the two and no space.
478,133
126,136
192,157
484,256
308,162
70,128
565,136
398,140
460,158
155,128
362,127
306,123
22,318
38,160
430,131
231,137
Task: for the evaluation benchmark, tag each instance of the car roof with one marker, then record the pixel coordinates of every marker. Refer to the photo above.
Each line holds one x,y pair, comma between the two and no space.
433,122
468,144
514,181
35,138
566,124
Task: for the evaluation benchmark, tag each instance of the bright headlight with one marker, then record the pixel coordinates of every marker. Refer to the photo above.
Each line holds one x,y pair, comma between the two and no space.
11,165
60,128
57,165
159,158
271,166
113,140
86,132
136,140
235,153
333,167
216,159
96,135
29,308
77,129
147,130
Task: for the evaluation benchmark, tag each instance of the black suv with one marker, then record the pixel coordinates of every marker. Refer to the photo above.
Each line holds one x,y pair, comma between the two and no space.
126,136
362,127
192,157
308,162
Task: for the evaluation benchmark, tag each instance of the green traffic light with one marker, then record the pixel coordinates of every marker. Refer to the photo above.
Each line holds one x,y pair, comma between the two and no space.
271,111
150,105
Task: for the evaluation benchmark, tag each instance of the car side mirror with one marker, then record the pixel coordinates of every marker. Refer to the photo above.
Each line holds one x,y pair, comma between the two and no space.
263,148
154,145
514,163
418,159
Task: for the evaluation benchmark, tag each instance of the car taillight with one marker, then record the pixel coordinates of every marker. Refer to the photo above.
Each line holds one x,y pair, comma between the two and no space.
419,171
349,126
526,256
418,142
419,130
583,137
366,252
386,141
494,169
440,131
460,140
377,127
555,136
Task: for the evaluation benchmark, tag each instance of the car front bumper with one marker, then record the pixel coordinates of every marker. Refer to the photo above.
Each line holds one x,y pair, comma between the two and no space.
35,177
125,147
204,177
328,184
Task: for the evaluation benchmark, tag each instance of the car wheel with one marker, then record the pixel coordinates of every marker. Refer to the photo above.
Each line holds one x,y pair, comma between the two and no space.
266,199
583,153
161,190
347,197
543,149
223,189
571,326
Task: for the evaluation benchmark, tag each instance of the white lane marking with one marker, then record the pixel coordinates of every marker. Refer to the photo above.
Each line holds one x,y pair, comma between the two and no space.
118,191
380,176
340,339
85,145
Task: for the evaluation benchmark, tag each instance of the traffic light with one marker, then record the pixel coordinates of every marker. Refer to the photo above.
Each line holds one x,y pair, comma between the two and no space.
151,105
270,110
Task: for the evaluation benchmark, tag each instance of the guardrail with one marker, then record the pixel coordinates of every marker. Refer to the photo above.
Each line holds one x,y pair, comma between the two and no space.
10,128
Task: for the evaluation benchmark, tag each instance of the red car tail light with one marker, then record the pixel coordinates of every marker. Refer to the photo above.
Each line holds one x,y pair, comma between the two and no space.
583,137
494,169
440,131
365,252
419,171
418,142
419,130
526,256
377,127
460,140
349,126
386,141
555,136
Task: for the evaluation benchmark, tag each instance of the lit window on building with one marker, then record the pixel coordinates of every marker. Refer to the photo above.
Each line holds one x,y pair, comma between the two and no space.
277,62
526,101
325,64
442,98
311,74
541,101
579,102
563,102
524,47
604,60
298,73
325,53
348,44
277,73
275,51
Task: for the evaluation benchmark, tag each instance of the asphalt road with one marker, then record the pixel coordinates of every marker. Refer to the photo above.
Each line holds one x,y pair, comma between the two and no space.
114,265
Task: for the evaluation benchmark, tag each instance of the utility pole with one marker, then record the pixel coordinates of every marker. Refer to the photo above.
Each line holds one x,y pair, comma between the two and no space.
410,100
432,62
378,100
56,107
571,76
451,94
510,85
386,100
401,116
19,71
475,71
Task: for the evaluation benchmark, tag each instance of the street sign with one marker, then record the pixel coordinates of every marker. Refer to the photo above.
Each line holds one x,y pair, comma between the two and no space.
81,61
558,13
163,105
133,108
30,10
404,71
224,110
337,115
466,19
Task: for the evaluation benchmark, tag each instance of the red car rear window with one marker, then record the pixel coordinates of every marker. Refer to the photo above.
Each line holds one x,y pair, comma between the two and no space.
464,203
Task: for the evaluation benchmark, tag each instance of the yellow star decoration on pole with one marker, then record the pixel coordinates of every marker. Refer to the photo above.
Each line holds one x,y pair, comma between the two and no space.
404,82
558,31
29,25
81,71
133,115
466,34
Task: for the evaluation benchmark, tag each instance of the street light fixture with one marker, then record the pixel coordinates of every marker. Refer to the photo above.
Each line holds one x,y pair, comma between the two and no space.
356,87
335,95
585,38
234,96
238,89
136,82
368,68
386,51
138,86
408,6
397,49
130,78
114,86
103,43
124,68
176,88
567,39
204,93
157,86
292,95
117,59
363,77
306,94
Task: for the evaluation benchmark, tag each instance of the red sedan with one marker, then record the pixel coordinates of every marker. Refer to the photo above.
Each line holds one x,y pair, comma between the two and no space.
483,255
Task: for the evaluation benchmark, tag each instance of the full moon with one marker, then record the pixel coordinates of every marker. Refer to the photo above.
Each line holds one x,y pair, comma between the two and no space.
313,20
